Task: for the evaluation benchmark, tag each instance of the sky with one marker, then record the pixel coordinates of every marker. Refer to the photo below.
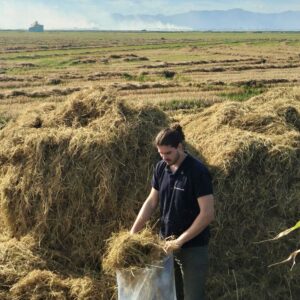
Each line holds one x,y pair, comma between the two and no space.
97,14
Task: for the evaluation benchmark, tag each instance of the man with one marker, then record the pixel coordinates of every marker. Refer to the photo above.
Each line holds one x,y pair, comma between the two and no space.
182,188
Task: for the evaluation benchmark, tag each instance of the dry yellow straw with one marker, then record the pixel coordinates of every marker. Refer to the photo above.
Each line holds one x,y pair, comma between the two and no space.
132,251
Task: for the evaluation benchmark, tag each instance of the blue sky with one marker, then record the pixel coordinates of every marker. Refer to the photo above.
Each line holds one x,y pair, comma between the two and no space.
70,14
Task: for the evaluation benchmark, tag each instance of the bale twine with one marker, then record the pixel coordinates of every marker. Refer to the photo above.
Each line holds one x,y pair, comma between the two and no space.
253,151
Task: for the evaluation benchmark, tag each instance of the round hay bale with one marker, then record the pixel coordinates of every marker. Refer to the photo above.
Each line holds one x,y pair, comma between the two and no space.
74,178
254,155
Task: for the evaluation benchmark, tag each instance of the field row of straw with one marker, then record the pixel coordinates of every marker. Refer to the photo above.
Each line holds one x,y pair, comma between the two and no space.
187,56
76,161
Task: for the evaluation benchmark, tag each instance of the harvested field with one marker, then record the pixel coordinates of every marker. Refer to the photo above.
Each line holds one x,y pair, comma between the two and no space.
78,112
144,58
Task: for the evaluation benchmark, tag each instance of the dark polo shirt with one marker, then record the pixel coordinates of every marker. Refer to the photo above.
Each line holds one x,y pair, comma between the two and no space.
178,193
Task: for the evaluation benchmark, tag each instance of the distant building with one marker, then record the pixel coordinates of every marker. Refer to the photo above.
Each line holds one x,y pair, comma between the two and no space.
36,27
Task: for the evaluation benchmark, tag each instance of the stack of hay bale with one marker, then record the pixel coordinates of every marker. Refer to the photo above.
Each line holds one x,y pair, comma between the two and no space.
70,175
253,150
73,173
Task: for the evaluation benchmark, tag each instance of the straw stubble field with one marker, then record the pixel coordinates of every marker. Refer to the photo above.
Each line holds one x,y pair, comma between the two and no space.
78,112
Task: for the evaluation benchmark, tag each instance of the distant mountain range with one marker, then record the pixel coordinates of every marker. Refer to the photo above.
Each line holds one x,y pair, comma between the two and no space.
220,20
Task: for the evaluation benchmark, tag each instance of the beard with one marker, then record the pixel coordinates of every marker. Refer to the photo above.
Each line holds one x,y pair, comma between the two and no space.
174,161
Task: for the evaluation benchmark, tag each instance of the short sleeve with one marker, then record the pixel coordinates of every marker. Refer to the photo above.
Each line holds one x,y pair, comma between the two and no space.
155,179
202,182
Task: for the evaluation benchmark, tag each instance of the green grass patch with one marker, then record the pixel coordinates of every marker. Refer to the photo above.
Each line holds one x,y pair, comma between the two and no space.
181,104
213,87
42,64
55,63
3,121
130,77
243,94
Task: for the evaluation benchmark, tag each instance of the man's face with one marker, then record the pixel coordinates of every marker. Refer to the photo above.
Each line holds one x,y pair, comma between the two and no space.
169,154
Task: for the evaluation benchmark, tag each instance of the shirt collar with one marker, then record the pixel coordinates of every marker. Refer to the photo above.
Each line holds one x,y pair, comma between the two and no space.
181,167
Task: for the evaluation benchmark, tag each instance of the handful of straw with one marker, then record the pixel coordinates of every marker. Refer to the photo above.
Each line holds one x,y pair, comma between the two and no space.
132,251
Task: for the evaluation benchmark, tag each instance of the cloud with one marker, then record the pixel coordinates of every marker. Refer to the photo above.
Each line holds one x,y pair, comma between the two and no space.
169,7
154,25
19,15
85,15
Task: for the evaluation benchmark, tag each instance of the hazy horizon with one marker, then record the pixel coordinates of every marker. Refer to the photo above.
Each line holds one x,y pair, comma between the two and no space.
99,15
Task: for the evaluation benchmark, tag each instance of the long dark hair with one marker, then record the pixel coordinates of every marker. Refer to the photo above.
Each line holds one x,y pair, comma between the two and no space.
170,136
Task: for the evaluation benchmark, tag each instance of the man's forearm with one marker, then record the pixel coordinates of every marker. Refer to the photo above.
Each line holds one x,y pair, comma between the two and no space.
199,224
143,216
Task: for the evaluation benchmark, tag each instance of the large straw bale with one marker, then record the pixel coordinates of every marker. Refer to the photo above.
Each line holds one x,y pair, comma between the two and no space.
253,150
71,174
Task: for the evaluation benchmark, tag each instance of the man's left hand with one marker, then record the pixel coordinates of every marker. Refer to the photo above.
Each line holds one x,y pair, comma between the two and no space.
172,246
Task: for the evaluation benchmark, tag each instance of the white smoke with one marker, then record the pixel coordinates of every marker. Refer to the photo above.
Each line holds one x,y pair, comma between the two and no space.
21,14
